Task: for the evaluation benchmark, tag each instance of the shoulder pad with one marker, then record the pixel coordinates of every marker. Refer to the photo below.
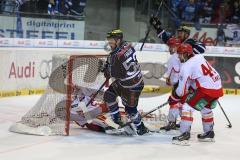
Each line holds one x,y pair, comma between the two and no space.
190,41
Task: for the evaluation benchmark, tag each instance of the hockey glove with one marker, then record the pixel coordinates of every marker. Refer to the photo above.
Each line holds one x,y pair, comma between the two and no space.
155,22
191,41
172,100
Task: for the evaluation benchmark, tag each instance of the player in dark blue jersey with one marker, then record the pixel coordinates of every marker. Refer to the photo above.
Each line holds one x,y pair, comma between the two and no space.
183,34
123,67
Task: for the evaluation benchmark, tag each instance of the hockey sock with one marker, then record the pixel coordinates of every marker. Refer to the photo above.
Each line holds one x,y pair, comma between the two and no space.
134,115
186,118
173,113
114,111
207,119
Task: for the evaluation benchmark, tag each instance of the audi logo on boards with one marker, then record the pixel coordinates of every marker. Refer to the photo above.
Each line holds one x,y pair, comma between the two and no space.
45,69
152,73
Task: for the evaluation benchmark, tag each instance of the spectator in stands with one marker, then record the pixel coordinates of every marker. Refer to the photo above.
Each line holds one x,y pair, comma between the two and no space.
67,7
232,11
52,7
207,10
236,12
221,39
181,7
218,12
189,9
75,7
228,11
174,6
10,6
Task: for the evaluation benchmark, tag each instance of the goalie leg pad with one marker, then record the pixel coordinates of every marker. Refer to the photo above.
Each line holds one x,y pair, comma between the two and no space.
95,127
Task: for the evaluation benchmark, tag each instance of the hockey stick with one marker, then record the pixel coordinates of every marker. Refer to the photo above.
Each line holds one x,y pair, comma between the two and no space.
144,115
96,93
145,38
149,26
229,123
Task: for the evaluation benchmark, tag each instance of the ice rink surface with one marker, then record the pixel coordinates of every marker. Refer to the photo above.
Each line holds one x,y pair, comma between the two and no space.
87,145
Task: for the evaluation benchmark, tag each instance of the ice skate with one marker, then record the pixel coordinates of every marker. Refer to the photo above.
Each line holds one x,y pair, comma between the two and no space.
206,137
127,130
170,126
183,139
142,129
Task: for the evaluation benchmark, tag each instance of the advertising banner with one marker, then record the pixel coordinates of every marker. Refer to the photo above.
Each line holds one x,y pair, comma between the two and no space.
40,28
229,70
209,35
206,35
84,44
26,70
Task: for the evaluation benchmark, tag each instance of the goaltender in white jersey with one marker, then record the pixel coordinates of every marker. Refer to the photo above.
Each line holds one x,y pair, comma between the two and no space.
93,116
96,116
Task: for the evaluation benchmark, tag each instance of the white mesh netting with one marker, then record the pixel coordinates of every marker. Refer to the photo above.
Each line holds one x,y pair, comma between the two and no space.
48,116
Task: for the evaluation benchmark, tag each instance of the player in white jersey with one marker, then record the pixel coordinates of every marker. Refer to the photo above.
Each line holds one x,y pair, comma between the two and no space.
172,76
198,73
173,64
95,110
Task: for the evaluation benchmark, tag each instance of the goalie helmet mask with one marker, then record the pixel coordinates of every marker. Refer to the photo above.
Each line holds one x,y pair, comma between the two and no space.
115,34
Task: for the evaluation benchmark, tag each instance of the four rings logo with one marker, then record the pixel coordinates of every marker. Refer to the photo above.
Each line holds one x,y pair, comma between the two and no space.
152,73
45,69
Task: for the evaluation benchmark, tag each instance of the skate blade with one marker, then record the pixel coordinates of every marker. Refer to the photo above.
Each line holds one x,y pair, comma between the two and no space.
181,143
207,140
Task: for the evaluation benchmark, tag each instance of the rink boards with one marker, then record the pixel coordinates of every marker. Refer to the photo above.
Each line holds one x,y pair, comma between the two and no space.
26,64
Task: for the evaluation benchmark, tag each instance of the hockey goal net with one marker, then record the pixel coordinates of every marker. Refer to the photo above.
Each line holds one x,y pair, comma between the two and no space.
51,114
